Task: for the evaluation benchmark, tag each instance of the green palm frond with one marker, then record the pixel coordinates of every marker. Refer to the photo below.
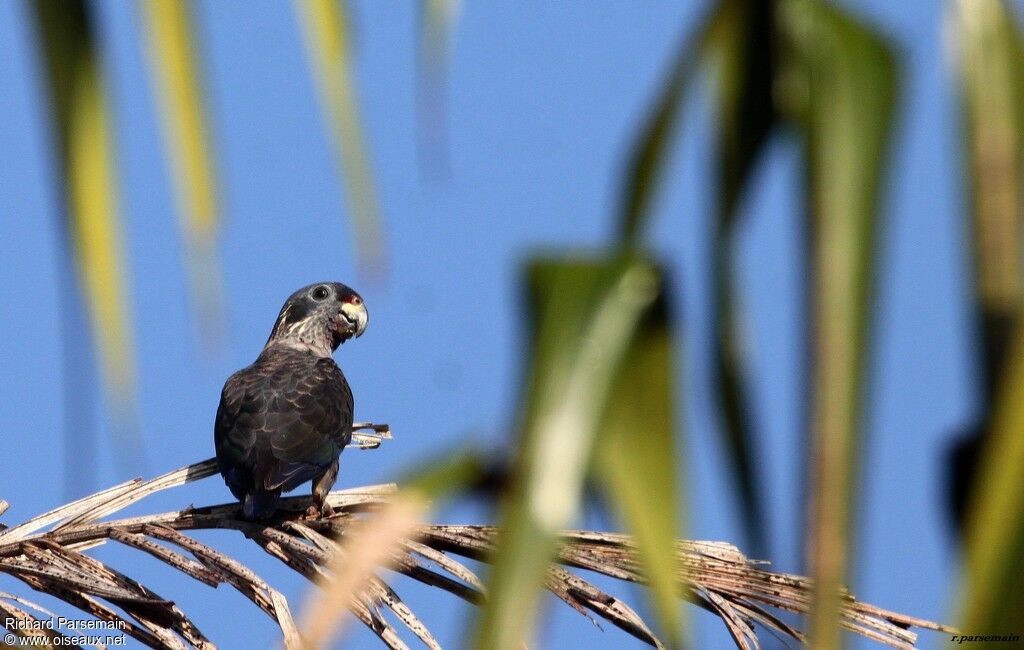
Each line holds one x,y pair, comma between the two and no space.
805,64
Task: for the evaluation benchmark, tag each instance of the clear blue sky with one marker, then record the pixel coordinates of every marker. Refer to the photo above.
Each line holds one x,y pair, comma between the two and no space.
544,101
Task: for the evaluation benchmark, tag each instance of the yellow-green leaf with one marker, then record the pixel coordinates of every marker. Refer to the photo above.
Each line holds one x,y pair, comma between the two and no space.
990,52
635,461
586,314
849,76
326,28
741,46
82,124
179,89
96,232
994,595
736,41
989,47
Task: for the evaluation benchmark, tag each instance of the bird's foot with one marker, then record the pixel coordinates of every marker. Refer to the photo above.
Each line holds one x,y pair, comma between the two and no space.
319,511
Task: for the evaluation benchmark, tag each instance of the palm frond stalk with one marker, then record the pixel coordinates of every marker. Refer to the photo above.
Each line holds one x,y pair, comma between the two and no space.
47,553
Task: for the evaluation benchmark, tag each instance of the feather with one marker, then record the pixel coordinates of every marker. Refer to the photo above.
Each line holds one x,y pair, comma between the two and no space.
281,422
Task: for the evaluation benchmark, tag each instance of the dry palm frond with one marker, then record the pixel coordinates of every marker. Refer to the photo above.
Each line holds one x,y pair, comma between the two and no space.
47,553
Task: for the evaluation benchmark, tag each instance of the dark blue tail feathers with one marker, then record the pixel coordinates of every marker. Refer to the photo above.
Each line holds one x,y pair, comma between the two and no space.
260,505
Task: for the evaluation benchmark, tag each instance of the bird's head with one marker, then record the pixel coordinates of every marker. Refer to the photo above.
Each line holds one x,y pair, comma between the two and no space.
320,317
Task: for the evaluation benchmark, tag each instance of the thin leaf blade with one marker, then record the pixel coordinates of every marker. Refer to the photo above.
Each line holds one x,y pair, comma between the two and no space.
741,44
82,123
586,313
994,596
647,159
989,48
849,74
325,24
635,461
178,86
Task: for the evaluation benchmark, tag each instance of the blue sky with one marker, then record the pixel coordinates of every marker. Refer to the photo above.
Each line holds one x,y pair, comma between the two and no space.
544,101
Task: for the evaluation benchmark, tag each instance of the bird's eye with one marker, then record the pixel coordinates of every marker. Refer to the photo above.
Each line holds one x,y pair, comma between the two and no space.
320,293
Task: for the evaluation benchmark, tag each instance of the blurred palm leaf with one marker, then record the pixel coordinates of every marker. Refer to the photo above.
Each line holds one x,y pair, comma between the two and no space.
647,159
186,135
738,38
807,62
741,43
587,314
94,227
86,153
994,596
642,177
635,459
351,575
990,50
326,27
850,77
437,18
83,125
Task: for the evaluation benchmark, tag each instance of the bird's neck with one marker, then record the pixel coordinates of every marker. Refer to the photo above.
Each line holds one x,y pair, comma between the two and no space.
314,340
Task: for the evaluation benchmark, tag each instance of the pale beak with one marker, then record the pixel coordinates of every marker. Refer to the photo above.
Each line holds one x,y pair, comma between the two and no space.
357,316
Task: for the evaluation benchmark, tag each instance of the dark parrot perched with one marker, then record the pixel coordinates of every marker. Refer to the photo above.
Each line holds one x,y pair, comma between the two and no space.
285,419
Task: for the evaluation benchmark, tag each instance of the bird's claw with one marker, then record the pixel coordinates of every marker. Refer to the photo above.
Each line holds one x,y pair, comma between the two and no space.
319,511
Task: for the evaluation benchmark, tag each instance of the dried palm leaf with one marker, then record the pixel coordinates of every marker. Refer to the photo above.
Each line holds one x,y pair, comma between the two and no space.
47,553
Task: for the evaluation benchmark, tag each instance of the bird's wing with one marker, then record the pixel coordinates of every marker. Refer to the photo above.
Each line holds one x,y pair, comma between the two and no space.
235,431
283,422
313,421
